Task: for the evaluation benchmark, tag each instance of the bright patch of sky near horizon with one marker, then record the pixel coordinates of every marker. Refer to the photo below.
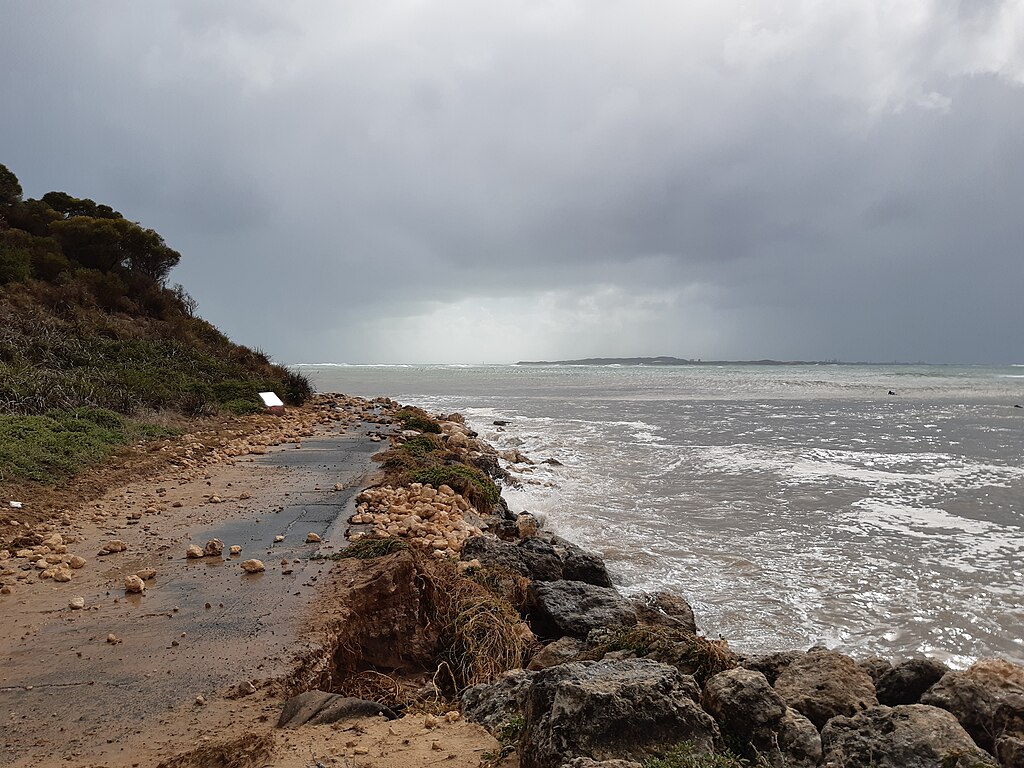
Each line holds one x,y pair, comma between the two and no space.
464,182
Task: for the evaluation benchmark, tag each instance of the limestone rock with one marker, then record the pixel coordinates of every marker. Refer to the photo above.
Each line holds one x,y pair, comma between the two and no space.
754,717
822,684
907,736
1010,751
561,651
62,574
213,548
987,699
313,538
492,704
116,545
539,559
253,566
665,609
76,603
321,708
235,550
76,562
771,664
904,683
633,709
875,666
146,574
134,585
574,608
193,552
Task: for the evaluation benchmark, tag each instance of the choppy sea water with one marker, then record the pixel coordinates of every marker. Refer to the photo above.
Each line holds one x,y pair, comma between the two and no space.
791,505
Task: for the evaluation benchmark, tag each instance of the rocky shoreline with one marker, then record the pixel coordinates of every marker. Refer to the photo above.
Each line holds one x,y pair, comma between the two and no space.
601,679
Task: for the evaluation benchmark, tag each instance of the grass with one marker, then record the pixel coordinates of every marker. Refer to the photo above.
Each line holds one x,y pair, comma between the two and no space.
366,549
480,631
477,487
415,418
685,755
696,655
55,446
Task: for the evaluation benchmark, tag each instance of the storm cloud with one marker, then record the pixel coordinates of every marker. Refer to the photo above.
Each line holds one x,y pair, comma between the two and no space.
473,182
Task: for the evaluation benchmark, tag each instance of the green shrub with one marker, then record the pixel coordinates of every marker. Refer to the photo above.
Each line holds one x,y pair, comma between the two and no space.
470,482
243,406
422,445
414,418
15,264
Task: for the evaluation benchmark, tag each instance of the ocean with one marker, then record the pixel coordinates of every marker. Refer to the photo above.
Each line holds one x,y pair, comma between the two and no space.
791,505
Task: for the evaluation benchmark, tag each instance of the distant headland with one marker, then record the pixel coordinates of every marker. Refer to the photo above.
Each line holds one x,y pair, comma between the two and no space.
664,360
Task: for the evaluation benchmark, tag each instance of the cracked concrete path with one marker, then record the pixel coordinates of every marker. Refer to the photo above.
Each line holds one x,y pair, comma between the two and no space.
70,697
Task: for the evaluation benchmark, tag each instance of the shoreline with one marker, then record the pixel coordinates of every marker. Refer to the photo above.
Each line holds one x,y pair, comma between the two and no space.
321,653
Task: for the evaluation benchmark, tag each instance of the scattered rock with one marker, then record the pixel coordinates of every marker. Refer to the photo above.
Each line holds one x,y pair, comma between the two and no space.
320,708
146,574
76,562
6,590
633,709
493,704
213,548
134,585
573,608
193,552
253,566
904,683
235,550
823,684
909,736
76,603
586,762
113,639
62,575
278,539
313,538
113,546
245,688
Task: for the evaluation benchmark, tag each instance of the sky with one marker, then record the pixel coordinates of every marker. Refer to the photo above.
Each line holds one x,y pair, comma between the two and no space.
467,182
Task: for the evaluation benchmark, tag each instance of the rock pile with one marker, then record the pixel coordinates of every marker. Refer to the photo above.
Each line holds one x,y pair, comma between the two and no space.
430,518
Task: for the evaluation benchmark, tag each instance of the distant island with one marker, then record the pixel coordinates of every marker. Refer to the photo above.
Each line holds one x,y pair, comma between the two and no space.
663,360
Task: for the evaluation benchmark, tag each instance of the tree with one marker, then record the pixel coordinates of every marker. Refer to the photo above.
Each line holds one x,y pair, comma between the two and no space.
109,244
15,263
70,207
10,187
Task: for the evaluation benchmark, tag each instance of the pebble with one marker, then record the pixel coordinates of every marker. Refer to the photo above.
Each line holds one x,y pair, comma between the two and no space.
313,538
113,639
76,562
246,688
235,549
146,574
253,566
193,552
76,603
62,575
278,538
5,590
213,548
134,585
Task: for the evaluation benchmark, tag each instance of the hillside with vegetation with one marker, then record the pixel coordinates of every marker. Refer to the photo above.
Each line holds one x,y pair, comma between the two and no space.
96,349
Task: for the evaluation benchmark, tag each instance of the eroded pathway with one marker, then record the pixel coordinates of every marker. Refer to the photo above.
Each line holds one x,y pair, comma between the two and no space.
134,677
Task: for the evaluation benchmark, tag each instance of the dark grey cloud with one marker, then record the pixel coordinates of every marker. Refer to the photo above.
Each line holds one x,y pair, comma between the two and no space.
357,181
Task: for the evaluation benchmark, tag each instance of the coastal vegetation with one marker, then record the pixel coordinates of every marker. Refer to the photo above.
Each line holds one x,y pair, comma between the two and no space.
97,351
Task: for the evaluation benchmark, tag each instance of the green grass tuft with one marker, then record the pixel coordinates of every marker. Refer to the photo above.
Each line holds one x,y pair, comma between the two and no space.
470,482
55,446
685,755
414,418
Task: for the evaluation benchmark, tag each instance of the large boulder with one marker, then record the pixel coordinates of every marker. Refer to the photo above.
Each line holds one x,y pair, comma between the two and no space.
632,709
771,664
539,558
573,608
1010,751
987,699
823,684
562,651
909,736
904,683
493,704
665,609
754,718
